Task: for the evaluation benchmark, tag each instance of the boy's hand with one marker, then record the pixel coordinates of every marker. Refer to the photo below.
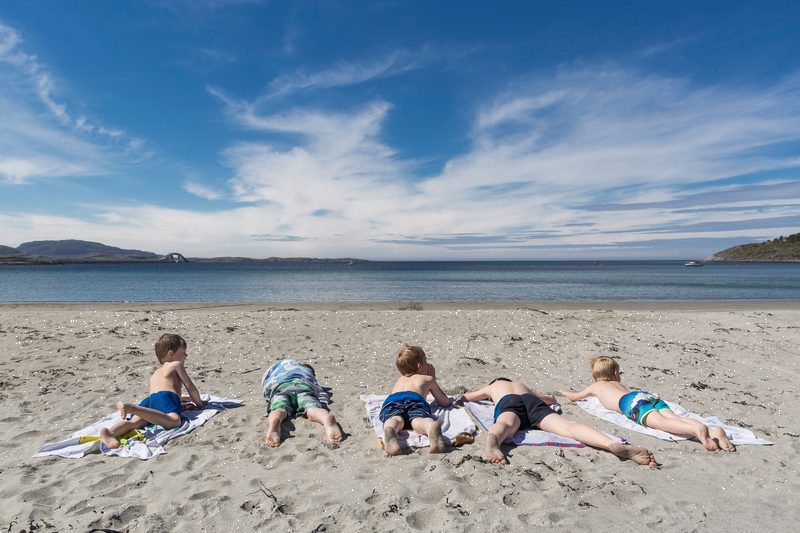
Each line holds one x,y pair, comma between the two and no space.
431,371
572,396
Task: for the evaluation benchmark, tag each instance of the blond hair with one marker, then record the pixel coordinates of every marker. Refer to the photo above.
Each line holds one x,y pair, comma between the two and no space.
604,369
409,359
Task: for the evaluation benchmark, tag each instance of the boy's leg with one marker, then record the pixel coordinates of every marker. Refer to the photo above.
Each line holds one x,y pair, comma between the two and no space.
671,423
109,435
390,429
276,416
431,428
504,428
165,420
142,416
328,421
561,426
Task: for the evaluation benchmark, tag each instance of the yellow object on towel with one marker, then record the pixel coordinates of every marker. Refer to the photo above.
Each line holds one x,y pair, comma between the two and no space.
134,434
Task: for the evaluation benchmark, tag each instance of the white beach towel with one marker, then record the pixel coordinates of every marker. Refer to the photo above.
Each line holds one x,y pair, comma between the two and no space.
736,435
483,412
453,419
156,437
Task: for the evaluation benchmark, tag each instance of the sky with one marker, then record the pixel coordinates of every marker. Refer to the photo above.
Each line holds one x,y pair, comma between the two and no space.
401,130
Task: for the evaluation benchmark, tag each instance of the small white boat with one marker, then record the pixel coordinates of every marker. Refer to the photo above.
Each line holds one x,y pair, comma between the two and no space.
694,264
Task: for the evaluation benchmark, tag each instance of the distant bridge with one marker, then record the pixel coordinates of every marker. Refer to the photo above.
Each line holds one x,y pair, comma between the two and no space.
175,257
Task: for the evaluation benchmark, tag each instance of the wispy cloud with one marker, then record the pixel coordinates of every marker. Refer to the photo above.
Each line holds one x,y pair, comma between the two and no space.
350,73
51,144
586,161
587,156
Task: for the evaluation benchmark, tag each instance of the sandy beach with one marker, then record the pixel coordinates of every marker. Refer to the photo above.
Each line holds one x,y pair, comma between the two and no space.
64,366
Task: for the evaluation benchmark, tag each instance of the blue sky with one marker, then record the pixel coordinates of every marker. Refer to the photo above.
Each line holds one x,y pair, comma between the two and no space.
401,130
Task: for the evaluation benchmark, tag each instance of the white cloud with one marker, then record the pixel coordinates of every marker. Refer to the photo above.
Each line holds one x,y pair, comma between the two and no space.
347,73
202,191
327,184
35,144
539,153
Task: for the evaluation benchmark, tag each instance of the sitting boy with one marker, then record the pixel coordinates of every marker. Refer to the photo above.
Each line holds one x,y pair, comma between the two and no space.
163,406
291,387
407,407
643,407
518,407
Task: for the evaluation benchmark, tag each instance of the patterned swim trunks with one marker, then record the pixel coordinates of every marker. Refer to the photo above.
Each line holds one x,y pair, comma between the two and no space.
637,405
406,404
294,397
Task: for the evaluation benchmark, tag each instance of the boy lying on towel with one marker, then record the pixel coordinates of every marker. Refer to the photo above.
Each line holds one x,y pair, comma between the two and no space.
517,406
163,406
407,408
291,387
643,407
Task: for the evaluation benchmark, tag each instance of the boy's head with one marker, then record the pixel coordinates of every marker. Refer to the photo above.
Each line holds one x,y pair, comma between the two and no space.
604,369
310,368
499,379
409,360
169,342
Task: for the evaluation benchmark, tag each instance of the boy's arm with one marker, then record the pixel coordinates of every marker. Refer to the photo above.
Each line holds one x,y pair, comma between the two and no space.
194,394
441,398
546,398
575,396
474,396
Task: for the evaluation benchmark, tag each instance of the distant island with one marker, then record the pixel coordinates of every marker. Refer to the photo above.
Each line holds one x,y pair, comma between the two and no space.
779,250
73,251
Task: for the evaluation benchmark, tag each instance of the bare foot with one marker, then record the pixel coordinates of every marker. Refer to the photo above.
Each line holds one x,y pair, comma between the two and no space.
435,436
390,443
493,452
634,453
121,406
708,443
332,429
108,439
274,437
718,434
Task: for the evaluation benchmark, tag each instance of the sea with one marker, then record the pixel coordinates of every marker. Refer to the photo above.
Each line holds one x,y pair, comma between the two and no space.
421,281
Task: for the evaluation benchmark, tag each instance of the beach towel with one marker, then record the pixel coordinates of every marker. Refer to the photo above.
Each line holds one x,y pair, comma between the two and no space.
453,419
290,370
82,442
737,436
483,412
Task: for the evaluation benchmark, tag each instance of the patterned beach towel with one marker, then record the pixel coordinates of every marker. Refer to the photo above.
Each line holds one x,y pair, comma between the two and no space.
483,412
736,435
82,442
453,419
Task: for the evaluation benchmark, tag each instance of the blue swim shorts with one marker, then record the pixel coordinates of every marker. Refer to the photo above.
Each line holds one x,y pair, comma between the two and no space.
164,401
637,405
407,404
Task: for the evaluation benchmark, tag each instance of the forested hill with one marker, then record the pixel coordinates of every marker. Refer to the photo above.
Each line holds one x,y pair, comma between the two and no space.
780,250
74,247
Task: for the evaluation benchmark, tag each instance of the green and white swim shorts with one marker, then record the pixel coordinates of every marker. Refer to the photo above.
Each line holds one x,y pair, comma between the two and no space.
294,397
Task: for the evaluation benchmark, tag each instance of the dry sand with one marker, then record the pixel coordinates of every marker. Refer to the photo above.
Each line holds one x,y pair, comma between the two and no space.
63,367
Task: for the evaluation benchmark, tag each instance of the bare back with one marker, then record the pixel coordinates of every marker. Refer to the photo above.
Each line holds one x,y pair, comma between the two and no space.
501,388
609,393
498,389
422,385
168,378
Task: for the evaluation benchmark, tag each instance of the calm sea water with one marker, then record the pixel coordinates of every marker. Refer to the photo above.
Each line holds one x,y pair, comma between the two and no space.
400,281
